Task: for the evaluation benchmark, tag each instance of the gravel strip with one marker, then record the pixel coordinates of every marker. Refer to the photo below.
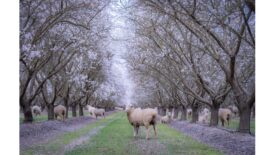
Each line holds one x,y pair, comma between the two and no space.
232,143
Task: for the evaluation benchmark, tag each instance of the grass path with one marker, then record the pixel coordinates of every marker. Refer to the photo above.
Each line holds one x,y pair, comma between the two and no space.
117,138
68,140
114,135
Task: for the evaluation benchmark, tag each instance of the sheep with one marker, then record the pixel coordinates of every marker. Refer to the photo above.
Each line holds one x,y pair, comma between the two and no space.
60,111
36,110
118,108
166,119
99,112
204,118
204,115
205,111
189,112
224,115
96,112
142,117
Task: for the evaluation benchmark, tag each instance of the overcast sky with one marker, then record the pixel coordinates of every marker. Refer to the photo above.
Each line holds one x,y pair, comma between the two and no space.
119,33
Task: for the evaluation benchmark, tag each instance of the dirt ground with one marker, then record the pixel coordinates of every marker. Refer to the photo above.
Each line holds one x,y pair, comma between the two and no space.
232,143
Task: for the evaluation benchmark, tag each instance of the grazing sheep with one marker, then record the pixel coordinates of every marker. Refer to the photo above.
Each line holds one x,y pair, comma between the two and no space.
95,111
142,117
224,115
99,112
60,111
166,119
36,110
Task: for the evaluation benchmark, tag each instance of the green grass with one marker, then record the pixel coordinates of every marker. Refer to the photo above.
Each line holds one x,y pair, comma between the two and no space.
54,146
44,117
178,143
234,124
113,139
117,138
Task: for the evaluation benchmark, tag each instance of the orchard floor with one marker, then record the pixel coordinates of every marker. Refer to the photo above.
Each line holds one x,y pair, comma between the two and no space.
114,135
227,141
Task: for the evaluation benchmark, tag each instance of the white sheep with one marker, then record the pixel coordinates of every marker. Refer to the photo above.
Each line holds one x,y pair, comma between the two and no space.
166,119
224,115
205,111
204,115
142,117
203,118
60,111
36,110
95,111
118,108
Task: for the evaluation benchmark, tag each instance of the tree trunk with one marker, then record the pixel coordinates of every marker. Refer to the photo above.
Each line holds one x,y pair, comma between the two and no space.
74,110
253,111
244,126
164,111
176,113
67,107
195,113
81,110
183,113
67,111
50,112
27,113
214,120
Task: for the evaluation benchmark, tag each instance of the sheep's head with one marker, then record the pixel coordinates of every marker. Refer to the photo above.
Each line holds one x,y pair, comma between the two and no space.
129,111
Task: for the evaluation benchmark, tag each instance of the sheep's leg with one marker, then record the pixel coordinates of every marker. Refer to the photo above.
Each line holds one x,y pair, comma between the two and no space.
154,126
137,128
134,131
222,122
147,133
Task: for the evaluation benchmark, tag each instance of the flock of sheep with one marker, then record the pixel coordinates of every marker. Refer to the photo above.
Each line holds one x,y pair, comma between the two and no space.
145,117
60,111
